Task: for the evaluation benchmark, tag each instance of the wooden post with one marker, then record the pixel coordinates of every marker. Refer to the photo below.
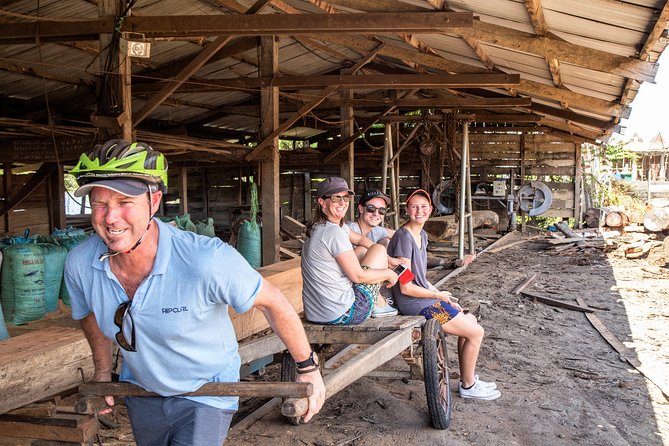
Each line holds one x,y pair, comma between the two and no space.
387,148
578,184
183,190
307,196
56,191
7,186
347,168
269,168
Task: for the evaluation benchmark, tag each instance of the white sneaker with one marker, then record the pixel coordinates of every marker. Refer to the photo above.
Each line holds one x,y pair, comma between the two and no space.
384,311
479,392
487,384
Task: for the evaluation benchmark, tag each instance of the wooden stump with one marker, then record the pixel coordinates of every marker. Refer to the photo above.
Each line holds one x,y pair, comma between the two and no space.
656,219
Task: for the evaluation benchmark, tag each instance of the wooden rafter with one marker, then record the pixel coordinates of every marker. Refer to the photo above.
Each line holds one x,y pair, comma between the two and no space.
536,12
306,108
237,25
388,81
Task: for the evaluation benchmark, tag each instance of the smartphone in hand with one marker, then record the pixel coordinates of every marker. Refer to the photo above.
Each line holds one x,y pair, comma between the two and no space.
405,275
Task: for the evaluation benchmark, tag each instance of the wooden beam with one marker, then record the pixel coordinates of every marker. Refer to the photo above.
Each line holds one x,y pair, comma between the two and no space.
456,102
517,118
236,25
528,87
18,196
180,78
553,48
345,143
306,108
388,81
655,34
23,360
570,116
536,12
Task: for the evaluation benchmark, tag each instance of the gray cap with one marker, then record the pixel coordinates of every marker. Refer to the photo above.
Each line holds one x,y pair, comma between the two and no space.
125,186
331,186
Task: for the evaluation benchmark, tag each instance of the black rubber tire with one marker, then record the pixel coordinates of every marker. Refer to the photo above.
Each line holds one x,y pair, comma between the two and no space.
436,374
288,374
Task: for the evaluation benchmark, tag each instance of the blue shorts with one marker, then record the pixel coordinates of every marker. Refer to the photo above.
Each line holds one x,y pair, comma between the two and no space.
365,297
172,421
441,311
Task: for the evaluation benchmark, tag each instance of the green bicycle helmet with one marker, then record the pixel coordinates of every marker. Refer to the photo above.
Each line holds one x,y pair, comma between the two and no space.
120,159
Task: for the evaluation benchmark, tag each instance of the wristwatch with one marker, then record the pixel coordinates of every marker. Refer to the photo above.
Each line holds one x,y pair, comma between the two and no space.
309,362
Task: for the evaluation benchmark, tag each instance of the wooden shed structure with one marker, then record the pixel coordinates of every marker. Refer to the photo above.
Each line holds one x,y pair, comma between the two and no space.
376,91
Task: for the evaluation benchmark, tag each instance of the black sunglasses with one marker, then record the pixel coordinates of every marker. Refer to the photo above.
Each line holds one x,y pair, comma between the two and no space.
371,209
119,317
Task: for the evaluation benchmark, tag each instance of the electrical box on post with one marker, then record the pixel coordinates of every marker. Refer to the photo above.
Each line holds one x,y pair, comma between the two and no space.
499,188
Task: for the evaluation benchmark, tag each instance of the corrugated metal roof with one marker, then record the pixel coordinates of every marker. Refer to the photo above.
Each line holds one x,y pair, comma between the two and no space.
67,71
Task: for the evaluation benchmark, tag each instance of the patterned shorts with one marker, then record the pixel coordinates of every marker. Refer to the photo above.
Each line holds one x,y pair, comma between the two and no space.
365,297
441,311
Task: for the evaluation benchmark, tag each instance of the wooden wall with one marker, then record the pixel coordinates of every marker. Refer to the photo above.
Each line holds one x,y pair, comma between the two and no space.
543,157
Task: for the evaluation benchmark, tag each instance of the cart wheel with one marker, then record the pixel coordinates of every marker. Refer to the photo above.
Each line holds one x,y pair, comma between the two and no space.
288,374
435,363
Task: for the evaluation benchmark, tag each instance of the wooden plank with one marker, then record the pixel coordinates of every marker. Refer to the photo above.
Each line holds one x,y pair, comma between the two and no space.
65,427
293,227
557,303
523,284
63,352
624,351
254,389
287,276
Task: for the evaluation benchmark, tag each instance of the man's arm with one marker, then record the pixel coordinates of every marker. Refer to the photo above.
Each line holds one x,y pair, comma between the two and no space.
102,353
287,325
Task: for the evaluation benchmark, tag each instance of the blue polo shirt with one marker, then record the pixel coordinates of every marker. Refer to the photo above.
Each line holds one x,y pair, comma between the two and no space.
184,336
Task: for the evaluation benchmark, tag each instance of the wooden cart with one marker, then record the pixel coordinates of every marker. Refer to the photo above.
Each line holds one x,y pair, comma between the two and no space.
421,343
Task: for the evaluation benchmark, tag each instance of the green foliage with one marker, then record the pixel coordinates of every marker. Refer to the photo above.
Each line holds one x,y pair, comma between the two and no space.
617,152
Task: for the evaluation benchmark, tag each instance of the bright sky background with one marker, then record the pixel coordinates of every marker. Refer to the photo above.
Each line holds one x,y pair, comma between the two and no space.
650,108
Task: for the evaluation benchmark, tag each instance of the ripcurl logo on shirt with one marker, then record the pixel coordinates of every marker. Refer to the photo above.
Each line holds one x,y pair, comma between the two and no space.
175,310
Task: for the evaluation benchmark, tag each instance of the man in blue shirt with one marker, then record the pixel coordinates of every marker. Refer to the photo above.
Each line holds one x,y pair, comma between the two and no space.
163,295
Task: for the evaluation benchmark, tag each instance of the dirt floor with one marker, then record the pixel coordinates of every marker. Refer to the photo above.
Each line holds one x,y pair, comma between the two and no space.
562,383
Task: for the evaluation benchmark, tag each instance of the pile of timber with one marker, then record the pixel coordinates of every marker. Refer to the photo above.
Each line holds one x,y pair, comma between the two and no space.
37,366
631,242
654,219
293,233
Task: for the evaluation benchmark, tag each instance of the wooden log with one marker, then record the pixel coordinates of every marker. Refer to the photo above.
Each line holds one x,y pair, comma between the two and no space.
39,364
656,219
445,226
255,389
595,217
616,219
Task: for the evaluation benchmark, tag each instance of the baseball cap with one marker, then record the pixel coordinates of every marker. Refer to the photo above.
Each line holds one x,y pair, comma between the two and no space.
369,194
422,192
332,185
125,186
